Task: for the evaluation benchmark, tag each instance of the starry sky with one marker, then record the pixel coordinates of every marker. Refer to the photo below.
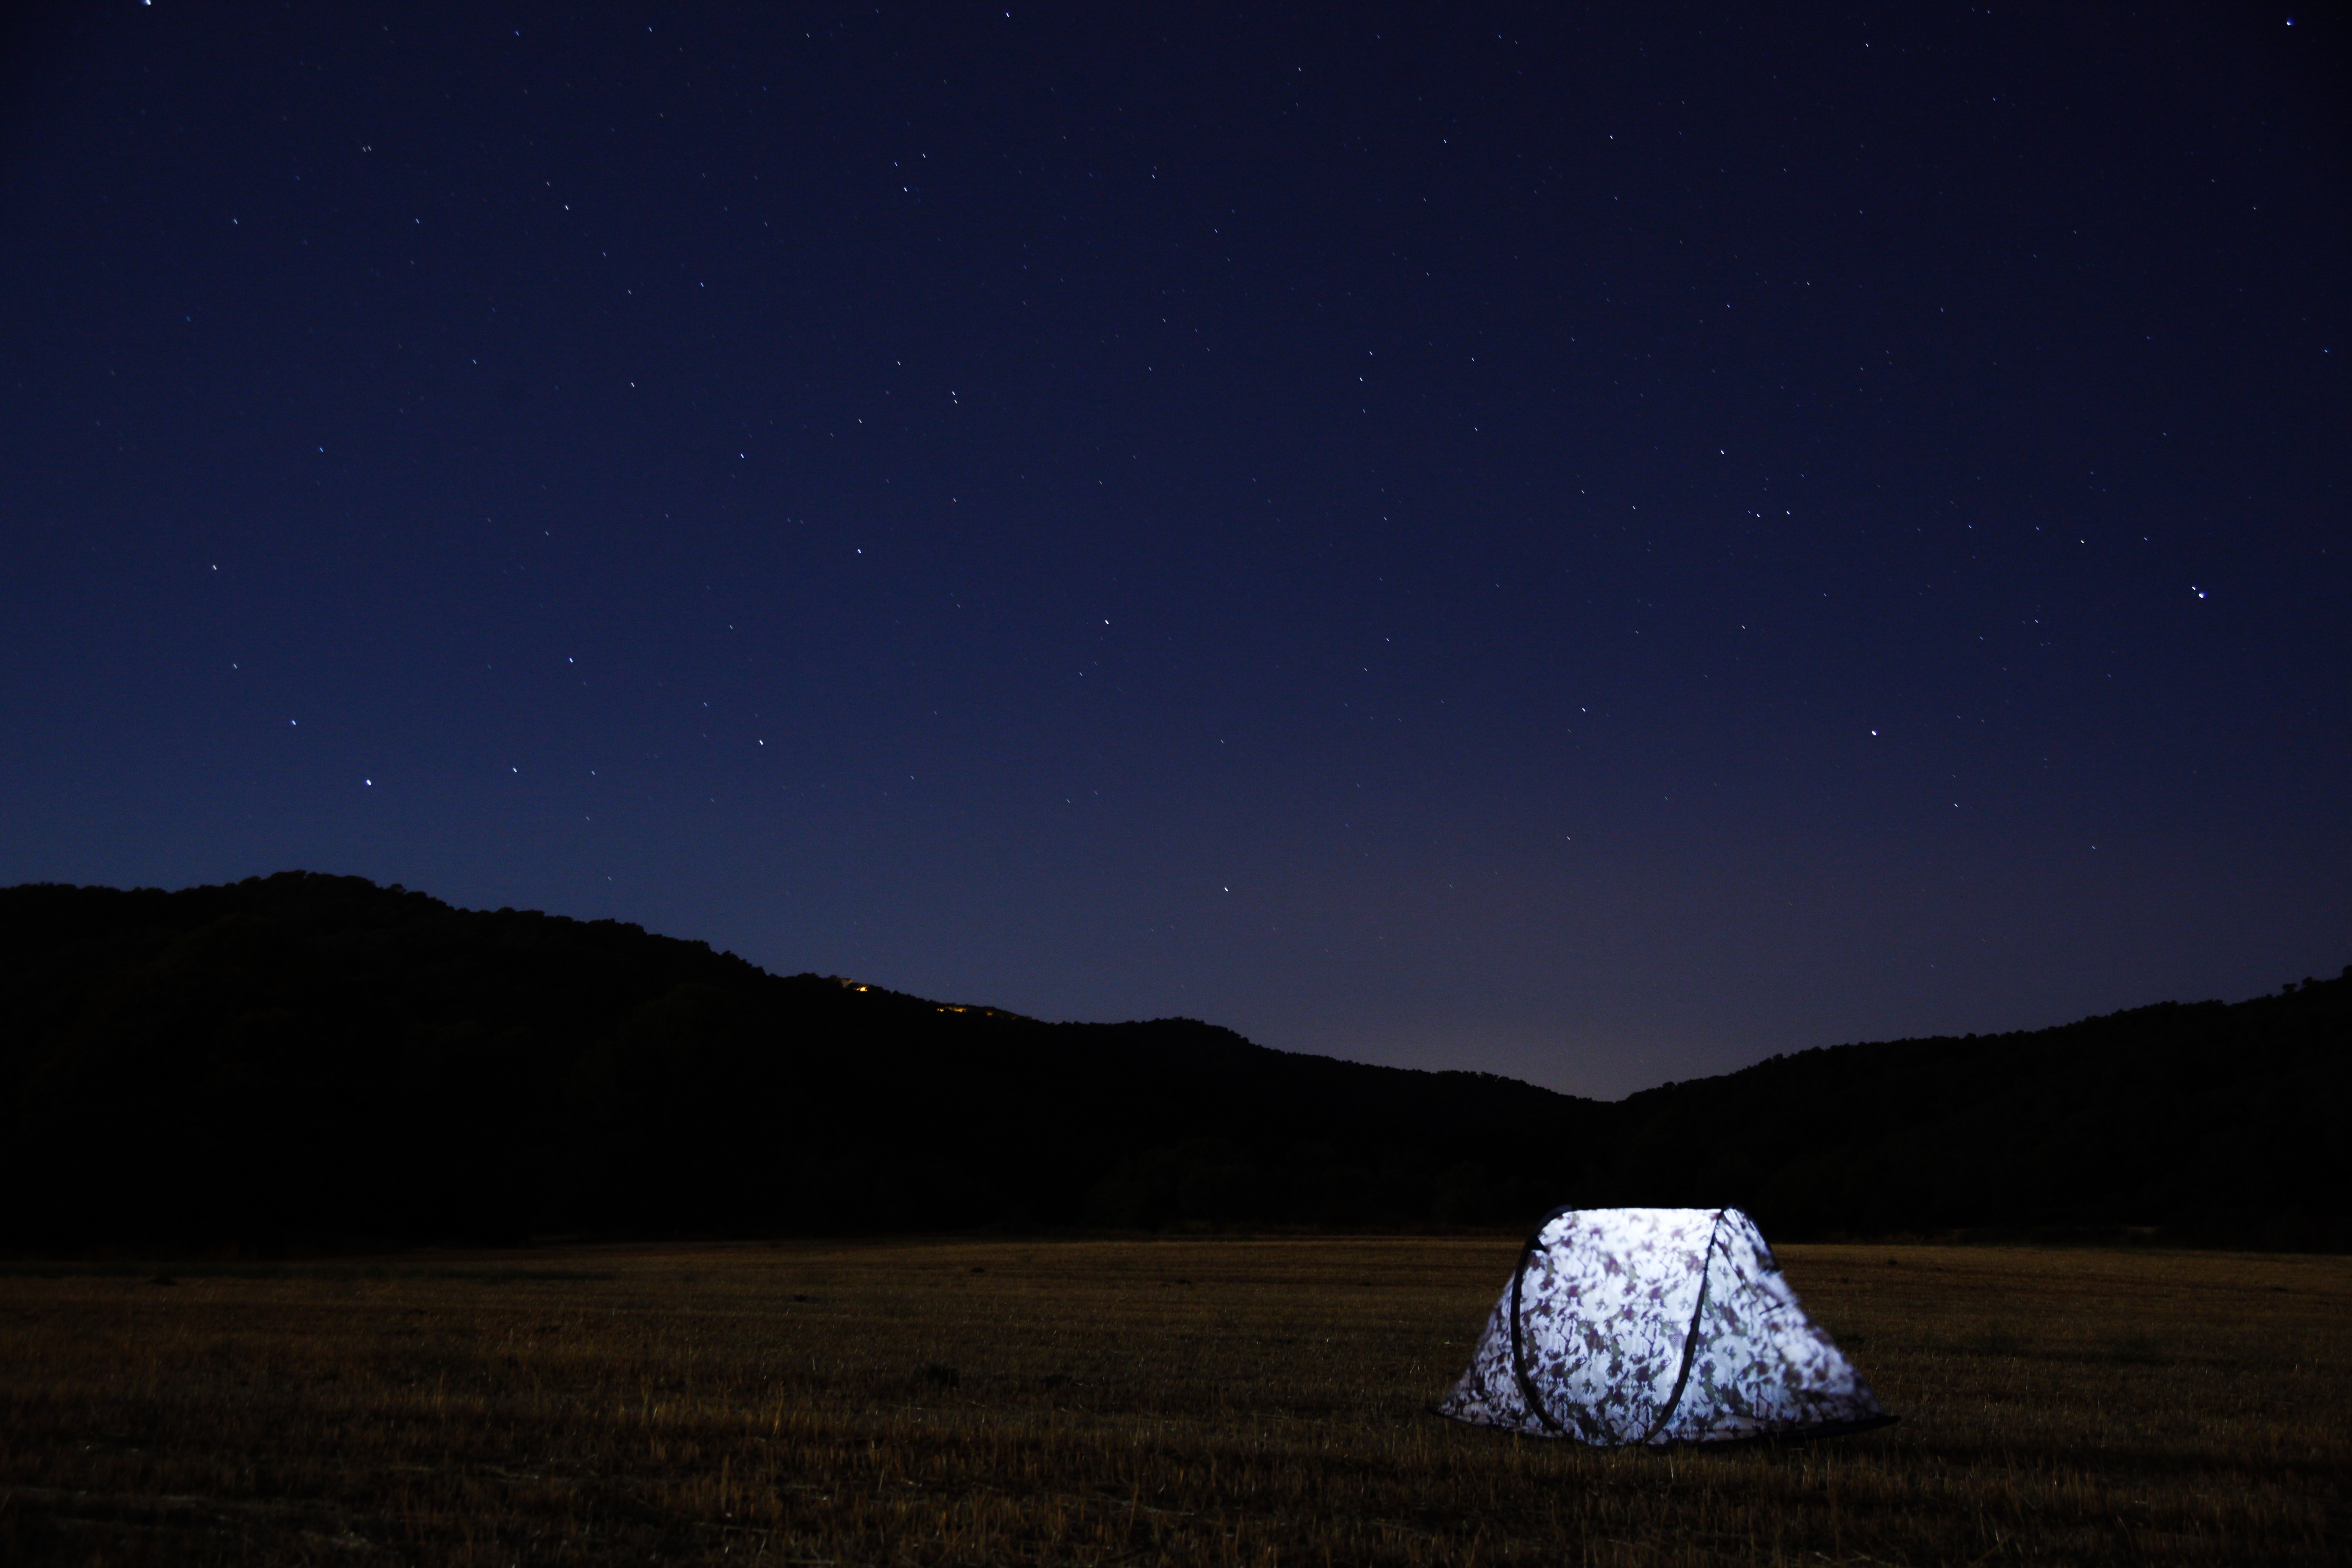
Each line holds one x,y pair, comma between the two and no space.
1597,545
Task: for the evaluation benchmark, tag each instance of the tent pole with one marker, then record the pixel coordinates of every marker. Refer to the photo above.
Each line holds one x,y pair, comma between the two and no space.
1519,1347
1690,1341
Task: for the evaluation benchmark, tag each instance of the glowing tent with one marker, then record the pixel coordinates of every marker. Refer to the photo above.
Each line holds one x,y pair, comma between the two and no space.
1625,1326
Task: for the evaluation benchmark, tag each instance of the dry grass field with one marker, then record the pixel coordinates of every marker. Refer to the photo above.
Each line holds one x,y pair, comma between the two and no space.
1181,1401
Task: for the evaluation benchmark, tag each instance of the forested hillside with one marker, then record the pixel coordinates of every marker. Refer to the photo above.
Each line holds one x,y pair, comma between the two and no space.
303,1058
303,1061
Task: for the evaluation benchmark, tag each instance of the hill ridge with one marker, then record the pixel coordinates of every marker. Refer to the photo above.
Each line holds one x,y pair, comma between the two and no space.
305,1059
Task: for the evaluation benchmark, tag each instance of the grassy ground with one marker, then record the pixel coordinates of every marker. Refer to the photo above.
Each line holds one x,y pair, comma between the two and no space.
1175,1401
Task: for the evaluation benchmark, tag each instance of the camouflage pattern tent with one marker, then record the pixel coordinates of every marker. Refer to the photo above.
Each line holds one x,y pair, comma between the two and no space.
1625,1326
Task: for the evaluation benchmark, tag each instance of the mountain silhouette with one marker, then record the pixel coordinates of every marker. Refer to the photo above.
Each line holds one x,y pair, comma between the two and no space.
309,1061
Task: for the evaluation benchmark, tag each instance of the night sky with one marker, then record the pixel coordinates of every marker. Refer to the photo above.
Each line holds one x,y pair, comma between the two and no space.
1586,543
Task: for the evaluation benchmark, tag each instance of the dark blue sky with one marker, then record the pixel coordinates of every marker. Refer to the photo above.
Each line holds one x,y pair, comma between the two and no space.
1591,545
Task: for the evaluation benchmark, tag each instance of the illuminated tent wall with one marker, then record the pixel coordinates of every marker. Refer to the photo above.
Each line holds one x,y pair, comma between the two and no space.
1625,1326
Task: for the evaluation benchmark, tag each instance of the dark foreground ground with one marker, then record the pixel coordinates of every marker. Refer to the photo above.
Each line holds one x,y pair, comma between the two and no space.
1173,1401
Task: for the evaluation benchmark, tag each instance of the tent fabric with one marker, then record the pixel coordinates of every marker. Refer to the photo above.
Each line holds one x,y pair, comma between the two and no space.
1632,1326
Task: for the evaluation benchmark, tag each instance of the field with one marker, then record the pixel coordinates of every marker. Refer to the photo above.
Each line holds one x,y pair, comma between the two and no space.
1181,1401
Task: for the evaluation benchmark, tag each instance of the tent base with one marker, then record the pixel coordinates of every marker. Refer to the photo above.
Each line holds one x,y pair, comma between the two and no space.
1756,1440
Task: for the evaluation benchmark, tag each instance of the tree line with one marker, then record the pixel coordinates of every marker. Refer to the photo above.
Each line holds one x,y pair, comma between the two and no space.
306,1061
